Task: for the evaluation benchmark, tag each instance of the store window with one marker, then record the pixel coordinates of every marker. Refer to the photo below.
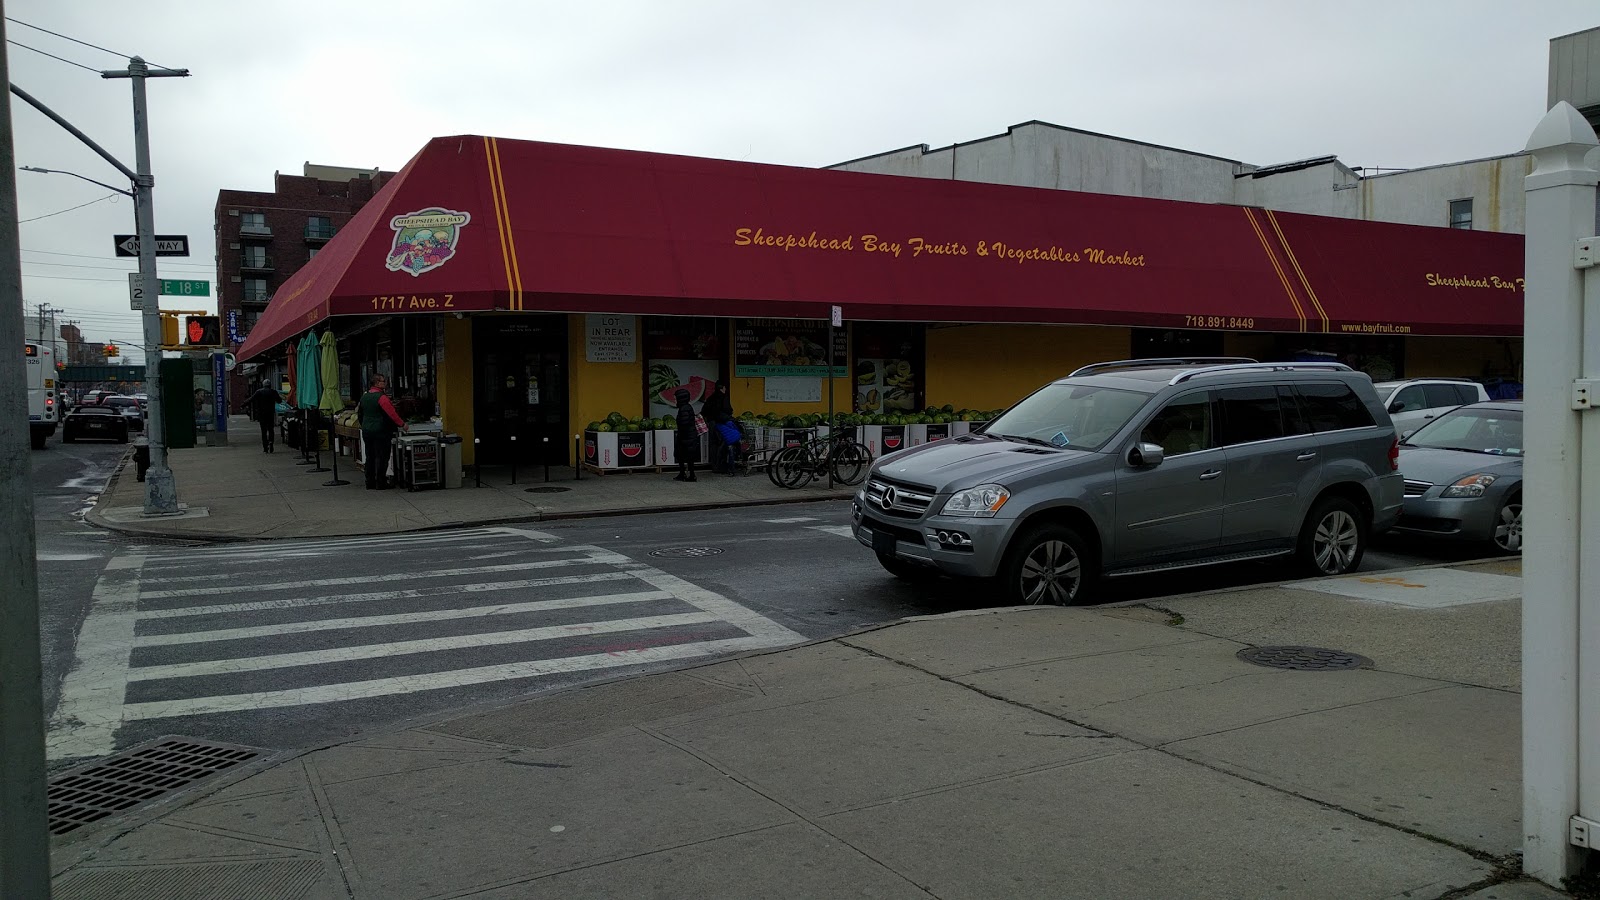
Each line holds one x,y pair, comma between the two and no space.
682,351
1461,214
889,367
1157,343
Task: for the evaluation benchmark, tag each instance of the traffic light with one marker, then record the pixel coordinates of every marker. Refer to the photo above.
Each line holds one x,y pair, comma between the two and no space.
111,351
169,331
203,331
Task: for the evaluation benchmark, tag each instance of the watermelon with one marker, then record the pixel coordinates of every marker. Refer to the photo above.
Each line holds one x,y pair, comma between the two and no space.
603,427
592,426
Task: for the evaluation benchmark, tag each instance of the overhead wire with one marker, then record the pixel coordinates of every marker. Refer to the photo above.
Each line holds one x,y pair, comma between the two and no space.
75,40
67,210
53,56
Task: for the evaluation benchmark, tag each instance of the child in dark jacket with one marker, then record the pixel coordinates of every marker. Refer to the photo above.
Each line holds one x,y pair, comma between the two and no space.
686,441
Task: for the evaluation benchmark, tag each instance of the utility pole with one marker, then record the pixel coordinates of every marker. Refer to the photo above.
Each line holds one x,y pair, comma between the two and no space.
24,839
160,488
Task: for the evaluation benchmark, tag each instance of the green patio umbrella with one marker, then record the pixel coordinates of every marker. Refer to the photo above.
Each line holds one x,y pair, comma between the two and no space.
309,390
331,403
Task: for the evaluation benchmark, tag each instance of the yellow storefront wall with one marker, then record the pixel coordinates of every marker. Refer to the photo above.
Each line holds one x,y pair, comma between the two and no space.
993,366
455,384
597,389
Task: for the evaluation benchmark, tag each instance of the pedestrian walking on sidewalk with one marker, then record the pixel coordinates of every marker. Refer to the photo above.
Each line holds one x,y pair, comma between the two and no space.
379,421
686,440
718,411
263,406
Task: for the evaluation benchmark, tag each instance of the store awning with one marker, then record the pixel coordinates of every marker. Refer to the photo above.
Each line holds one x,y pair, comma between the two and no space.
476,223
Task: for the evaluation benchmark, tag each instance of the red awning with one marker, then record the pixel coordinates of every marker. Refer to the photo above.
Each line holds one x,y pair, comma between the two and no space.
477,223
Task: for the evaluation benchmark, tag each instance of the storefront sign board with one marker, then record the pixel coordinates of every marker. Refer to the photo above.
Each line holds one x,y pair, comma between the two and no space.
610,339
764,348
792,389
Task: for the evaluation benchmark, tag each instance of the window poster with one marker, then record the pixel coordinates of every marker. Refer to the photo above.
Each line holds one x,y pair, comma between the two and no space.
681,352
887,373
786,347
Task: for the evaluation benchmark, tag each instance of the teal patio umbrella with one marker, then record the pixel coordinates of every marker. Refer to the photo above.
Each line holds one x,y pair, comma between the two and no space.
308,392
331,402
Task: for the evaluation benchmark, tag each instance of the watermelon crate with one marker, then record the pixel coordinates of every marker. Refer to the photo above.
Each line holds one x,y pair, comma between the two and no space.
608,450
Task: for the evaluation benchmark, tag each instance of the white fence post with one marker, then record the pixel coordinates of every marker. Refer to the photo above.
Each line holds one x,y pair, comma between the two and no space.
1560,210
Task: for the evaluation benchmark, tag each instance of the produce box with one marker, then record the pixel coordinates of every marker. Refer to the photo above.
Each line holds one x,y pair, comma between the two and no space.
883,439
940,432
916,435
618,449
666,448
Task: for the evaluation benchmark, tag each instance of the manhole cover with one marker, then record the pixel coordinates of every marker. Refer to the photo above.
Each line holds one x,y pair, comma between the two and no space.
138,775
686,552
546,490
1308,659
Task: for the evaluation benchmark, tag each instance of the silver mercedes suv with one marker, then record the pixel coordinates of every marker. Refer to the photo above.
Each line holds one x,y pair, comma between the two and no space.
1141,466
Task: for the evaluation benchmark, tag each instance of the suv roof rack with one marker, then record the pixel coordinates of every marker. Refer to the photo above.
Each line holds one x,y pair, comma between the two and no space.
1160,362
1263,367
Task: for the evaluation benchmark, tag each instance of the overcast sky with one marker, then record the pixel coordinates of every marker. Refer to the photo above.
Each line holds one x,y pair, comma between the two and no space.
357,83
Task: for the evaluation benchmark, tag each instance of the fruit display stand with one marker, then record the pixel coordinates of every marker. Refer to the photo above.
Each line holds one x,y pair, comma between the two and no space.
610,452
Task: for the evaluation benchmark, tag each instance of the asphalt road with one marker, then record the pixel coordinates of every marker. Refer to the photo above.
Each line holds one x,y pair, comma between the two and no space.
288,645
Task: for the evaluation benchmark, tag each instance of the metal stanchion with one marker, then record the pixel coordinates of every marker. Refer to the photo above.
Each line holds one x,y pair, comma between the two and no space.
305,443
577,457
317,432
333,441
513,459
477,463
546,454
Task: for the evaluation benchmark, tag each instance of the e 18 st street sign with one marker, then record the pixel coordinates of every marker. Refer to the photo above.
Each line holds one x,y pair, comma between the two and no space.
166,244
169,287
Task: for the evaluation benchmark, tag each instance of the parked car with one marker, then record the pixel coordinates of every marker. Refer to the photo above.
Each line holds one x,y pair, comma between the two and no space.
129,408
1463,476
96,422
1415,402
1140,466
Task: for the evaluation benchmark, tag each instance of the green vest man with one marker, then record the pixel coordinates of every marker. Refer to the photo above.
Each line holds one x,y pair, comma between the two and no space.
378,423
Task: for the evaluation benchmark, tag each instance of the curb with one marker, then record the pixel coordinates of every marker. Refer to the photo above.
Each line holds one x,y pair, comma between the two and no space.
94,518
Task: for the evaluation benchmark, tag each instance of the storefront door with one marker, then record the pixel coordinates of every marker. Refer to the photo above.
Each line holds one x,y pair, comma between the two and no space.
520,389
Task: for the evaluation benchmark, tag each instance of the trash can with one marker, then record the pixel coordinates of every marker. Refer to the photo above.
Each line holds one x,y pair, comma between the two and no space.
450,460
141,457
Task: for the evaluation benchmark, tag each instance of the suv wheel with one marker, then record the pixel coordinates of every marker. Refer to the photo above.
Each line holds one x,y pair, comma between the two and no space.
1048,564
1334,537
1508,526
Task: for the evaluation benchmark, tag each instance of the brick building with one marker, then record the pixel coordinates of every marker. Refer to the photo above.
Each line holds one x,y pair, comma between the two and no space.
263,237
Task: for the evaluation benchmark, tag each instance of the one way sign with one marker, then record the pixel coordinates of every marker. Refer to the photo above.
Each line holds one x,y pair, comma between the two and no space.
166,245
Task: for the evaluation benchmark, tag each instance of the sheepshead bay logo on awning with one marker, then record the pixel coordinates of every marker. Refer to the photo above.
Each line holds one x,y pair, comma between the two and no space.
425,240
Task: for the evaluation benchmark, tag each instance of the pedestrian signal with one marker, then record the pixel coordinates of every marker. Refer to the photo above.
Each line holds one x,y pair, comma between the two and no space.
204,331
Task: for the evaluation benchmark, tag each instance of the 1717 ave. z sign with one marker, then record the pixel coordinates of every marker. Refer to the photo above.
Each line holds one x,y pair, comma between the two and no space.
166,244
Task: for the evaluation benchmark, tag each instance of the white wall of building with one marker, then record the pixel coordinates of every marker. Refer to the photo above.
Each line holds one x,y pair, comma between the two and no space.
1422,196
1038,154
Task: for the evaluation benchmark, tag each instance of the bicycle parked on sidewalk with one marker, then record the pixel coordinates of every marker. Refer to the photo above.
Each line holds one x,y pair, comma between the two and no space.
797,466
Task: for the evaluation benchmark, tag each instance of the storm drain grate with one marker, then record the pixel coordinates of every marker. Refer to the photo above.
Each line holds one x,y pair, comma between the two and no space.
138,775
1305,659
546,490
686,552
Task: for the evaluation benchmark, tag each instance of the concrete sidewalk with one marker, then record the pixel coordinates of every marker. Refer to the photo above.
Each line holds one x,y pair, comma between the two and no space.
236,492
1040,752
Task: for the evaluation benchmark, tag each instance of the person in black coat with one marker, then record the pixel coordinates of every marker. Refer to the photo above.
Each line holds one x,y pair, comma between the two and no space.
264,408
686,441
717,409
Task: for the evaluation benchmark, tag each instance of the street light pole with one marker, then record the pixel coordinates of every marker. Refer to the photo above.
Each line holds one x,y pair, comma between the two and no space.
160,488
24,838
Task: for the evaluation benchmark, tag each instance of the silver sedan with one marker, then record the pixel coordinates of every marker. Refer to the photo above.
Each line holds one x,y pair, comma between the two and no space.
1463,476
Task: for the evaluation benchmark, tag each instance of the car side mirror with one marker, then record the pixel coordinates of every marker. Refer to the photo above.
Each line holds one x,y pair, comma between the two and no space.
1395,407
1145,455
1406,436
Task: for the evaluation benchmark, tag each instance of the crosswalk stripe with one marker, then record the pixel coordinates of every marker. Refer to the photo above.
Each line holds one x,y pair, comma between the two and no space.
366,579
405,684
717,605
435,615
401,648
90,707
840,530
210,568
792,520
228,552
447,590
